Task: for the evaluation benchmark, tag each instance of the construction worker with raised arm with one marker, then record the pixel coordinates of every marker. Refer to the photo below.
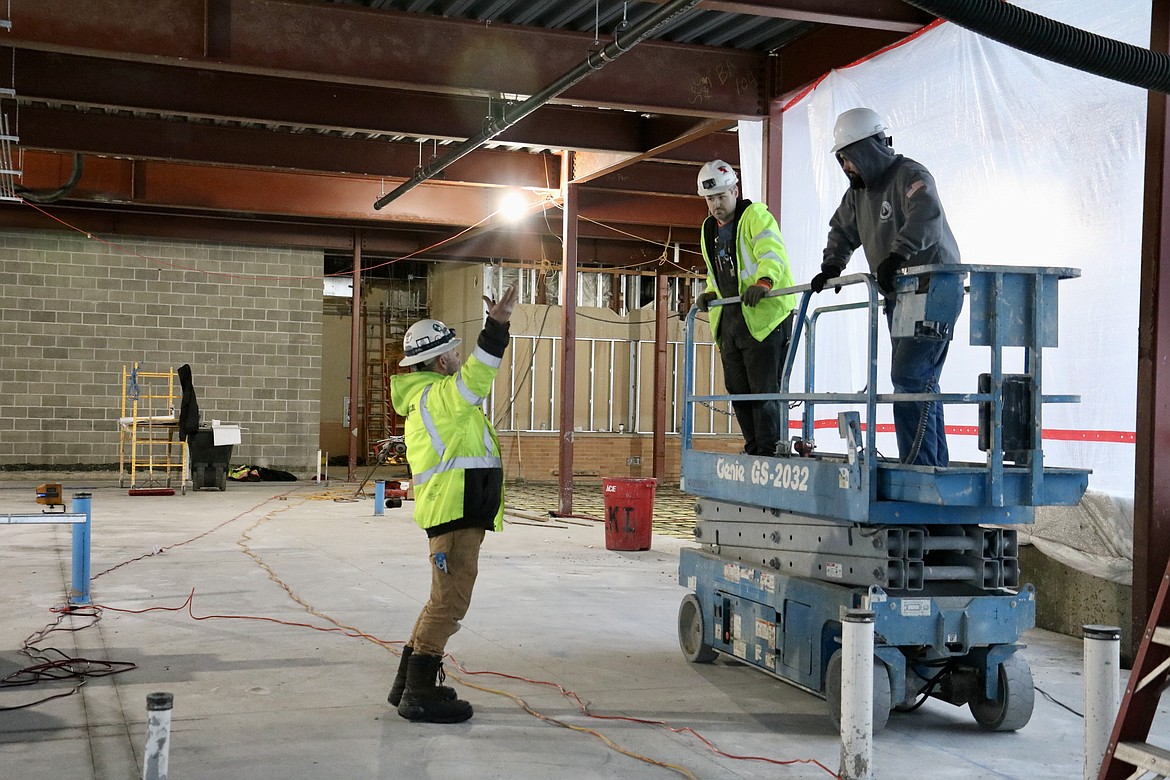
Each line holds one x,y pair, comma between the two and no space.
745,258
454,457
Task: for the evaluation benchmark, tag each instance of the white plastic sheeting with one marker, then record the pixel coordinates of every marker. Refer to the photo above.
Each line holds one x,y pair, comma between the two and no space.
1095,537
751,147
1036,164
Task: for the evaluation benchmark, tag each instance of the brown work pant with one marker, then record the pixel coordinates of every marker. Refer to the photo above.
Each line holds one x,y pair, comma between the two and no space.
450,590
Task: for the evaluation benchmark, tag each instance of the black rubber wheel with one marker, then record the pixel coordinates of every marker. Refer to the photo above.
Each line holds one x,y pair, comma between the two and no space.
883,698
1011,709
692,633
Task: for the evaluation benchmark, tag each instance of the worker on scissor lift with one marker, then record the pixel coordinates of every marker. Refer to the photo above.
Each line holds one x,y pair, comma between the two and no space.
745,257
893,212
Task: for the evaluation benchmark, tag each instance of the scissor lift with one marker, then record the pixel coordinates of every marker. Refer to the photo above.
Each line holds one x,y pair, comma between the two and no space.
788,543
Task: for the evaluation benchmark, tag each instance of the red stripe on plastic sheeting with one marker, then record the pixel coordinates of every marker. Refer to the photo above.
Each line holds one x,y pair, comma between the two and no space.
1117,437
1052,434
881,428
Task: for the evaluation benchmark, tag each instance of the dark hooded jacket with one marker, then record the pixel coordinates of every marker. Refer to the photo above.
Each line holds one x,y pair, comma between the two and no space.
898,211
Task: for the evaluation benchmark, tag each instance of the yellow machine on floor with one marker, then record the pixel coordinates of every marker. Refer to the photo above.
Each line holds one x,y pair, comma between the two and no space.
150,450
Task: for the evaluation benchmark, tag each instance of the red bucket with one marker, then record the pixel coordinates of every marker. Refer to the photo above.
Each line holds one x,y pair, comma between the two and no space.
629,512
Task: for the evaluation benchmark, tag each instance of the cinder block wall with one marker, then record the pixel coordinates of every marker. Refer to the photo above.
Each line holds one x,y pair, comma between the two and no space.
74,311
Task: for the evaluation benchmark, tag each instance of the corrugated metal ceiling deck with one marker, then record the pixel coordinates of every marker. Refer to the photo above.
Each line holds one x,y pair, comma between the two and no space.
603,17
271,120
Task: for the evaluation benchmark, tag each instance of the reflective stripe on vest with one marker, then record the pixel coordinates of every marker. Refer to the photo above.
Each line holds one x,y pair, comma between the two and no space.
482,462
487,358
465,391
750,264
429,423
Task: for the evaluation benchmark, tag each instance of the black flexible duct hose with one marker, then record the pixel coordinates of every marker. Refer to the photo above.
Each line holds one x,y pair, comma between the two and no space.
1055,41
49,196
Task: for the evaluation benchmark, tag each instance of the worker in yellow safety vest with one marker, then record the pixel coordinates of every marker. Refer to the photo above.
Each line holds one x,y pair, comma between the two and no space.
745,259
454,457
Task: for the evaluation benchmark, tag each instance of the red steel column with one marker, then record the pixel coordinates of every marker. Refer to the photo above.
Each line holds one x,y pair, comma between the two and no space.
661,388
355,355
568,336
1151,522
773,162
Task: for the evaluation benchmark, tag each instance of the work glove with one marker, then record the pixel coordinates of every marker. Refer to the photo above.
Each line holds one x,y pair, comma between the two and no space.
754,294
705,298
886,271
820,280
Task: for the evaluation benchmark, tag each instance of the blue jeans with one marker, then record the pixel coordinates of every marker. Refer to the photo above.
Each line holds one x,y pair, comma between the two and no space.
915,367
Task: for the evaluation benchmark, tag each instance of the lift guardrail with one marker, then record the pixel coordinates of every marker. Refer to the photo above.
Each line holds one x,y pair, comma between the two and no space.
1008,307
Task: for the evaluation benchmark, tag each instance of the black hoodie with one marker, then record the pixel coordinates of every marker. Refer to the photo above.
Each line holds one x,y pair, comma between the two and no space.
898,211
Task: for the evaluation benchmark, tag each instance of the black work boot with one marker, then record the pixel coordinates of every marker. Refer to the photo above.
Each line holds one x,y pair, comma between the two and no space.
446,693
421,699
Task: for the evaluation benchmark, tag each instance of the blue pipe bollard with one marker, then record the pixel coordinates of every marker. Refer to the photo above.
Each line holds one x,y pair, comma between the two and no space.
80,589
380,497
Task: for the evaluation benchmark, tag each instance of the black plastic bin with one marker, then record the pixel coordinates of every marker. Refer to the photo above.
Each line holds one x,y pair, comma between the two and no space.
209,462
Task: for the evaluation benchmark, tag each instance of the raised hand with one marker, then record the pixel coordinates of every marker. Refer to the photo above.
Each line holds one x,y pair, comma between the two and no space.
501,310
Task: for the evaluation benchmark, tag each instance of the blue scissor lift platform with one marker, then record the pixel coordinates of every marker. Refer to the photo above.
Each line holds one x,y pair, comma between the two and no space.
788,543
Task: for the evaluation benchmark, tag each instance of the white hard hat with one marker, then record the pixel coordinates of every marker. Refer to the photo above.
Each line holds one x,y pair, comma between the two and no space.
716,177
855,124
426,340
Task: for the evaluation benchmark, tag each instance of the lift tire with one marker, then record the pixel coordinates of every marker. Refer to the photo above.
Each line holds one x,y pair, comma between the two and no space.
883,697
691,632
1012,707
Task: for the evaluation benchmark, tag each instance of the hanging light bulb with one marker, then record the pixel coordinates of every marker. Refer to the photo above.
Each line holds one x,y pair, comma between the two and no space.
513,206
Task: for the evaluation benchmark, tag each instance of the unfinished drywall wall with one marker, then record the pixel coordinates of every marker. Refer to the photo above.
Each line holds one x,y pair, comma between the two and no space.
614,367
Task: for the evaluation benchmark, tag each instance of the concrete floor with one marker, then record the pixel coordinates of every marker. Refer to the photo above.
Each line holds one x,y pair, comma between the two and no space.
554,612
